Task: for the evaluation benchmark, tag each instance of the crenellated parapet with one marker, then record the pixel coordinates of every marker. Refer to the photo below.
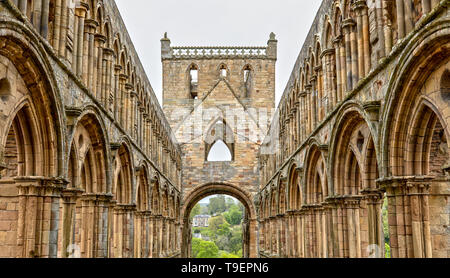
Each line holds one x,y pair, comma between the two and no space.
218,52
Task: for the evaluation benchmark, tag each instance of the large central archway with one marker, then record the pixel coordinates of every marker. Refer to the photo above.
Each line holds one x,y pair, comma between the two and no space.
209,189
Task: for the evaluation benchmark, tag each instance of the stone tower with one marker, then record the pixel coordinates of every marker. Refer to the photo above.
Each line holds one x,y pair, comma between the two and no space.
220,95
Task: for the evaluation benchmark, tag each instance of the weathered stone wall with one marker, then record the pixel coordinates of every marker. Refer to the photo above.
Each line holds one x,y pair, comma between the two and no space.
220,107
89,165
363,118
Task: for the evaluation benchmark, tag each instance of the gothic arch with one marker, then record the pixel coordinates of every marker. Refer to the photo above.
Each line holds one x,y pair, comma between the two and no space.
123,175
414,142
404,90
219,130
315,181
42,94
209,189
350,117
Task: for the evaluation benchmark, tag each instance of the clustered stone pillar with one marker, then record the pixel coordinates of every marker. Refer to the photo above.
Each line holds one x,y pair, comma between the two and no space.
328,59
38,216
88,53
405,20
373,200
314,102
308,110
107,95
100,41
78,51
363,40
409,218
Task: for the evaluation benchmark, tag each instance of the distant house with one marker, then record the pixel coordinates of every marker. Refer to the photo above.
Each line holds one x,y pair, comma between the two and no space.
201,221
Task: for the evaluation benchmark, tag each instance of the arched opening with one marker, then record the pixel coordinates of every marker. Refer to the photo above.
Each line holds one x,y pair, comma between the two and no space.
30,145
219,142
193,81
417,150
248,80
355,172
316,192
217,227
223,71
120,237
226,221
87,177
295,201
142,222
219,152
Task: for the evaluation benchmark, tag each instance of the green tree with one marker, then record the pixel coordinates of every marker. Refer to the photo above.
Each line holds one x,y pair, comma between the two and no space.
217,205
208,249
196,246
215,223
226,255
236,239
229,202
234,215
196,210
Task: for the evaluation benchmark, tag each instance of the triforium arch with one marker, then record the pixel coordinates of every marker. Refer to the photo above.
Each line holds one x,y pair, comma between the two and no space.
87,189
355,198
143,212
295,200
121,238
31,139
313,220
416,148
205,190
219,130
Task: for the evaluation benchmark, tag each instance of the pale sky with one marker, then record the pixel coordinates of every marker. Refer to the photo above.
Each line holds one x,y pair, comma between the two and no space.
218,23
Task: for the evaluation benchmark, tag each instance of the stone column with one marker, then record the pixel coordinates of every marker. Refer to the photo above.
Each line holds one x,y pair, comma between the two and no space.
337,61
387,29
408,7
122,100
69,198
400,19
117,92
353,236
88,53
107,94
409,218
329,231
336,221
22,5
78,45
363,40
128,108
100,41
328,58
132,115
374,201
38,216
347,26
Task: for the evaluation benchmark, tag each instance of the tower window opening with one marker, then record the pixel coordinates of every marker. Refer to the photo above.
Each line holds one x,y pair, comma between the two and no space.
193,81
219,152
223,71
247,80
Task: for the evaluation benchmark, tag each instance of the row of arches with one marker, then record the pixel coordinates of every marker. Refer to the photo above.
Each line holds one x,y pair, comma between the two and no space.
65,189
328,201
351,39
82,33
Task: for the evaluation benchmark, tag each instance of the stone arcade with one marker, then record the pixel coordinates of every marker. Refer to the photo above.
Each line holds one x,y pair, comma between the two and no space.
92,165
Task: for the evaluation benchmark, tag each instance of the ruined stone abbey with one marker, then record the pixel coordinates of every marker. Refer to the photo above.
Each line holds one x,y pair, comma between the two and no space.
91,165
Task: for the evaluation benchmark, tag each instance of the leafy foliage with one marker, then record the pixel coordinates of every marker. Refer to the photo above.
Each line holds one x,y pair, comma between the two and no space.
224,231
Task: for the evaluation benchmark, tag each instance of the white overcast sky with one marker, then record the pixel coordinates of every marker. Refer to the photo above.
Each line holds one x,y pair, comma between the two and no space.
218,23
